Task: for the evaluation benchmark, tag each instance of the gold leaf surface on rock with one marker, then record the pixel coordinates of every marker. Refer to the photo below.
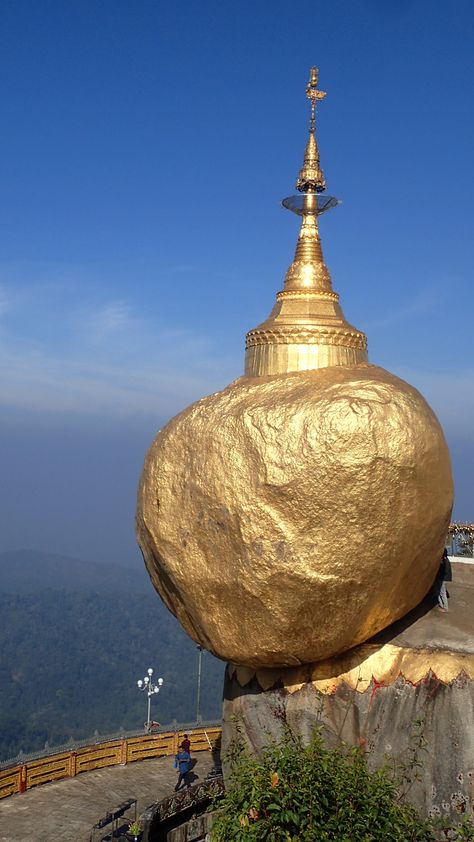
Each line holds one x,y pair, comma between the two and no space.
362,666
289,518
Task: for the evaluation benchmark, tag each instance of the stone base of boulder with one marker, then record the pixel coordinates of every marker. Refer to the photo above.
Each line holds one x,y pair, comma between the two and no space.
195,830
406,697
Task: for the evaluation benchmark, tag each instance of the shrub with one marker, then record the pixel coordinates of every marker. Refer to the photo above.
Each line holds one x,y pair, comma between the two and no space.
315,794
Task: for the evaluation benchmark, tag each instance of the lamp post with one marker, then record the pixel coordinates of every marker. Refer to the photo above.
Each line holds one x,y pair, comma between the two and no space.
198,695
150,688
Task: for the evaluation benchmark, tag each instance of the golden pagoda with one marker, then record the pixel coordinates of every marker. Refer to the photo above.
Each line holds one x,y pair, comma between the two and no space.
306,328
297,512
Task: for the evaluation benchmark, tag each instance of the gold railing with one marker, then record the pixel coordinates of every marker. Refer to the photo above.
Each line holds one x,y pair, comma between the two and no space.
461,528
67,764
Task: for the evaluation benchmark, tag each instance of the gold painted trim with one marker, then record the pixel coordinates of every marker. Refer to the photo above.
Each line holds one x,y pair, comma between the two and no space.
306,293
362,666
305,336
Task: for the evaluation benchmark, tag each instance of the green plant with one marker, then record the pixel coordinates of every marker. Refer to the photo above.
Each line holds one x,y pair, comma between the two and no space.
135,828
445,831
296,793
407,768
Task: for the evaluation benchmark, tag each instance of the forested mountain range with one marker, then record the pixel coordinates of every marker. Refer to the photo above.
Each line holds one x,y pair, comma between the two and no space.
74,638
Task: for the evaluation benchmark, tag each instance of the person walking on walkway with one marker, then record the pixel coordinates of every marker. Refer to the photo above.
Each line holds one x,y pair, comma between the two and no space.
444,575
182,762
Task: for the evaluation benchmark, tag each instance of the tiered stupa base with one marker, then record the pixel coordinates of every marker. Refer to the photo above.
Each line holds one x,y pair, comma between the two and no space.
408,694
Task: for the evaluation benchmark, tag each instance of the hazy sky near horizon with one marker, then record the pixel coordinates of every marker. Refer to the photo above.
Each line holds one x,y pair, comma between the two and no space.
145,148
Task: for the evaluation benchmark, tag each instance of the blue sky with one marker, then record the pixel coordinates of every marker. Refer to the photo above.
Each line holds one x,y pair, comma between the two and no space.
145,148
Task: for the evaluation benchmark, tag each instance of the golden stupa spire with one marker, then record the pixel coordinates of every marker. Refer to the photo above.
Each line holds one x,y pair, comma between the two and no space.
311,178
306,328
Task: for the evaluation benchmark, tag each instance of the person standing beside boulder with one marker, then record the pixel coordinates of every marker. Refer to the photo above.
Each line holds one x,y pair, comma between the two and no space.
444,575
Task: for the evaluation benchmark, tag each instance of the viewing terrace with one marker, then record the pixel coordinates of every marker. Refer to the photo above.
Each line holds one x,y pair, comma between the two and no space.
53,799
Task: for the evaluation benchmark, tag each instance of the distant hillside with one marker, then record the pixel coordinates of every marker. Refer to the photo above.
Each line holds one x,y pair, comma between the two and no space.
27,571
74,639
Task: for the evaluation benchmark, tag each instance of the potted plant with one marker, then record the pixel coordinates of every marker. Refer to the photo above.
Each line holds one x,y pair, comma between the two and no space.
135,830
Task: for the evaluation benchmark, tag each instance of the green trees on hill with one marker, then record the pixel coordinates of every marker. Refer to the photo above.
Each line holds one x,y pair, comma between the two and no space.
70,660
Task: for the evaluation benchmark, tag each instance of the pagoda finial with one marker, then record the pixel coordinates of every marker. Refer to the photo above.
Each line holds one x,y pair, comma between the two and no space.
311,177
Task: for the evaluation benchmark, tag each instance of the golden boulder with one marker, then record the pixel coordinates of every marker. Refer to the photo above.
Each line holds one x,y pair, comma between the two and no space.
304,508
291,517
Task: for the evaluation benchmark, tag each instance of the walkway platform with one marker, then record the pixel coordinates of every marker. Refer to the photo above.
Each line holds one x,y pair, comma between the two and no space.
64,811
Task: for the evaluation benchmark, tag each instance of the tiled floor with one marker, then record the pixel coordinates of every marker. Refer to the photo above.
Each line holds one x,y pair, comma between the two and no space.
65,811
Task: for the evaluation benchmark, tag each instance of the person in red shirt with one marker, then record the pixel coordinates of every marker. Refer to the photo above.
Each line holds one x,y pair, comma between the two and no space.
186,744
